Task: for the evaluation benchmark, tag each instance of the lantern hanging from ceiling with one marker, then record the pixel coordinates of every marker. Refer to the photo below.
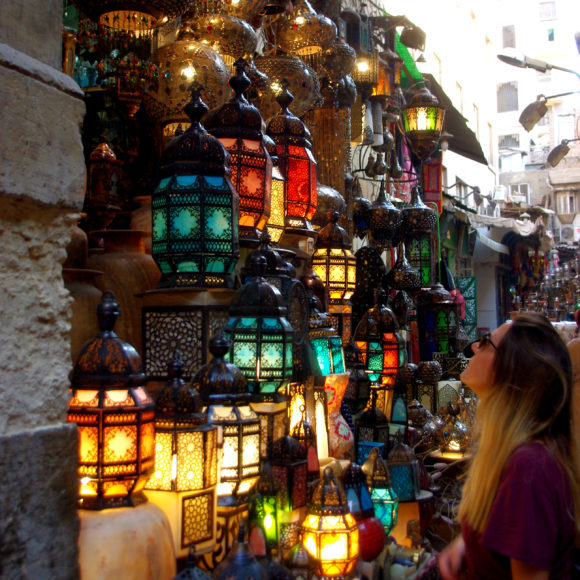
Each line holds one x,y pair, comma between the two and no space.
328,200
239,127
297,165
338,60
438,319
383,495
402,276
419,234
335,263
261,335
384,221
372,426
276,220
289,469
423,123
114,414
329,531
224,389
184,482
371,533
404,469
195,208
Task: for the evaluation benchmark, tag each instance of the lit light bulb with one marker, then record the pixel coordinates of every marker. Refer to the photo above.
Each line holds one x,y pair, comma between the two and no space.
268,522
300,20
362,66
188,72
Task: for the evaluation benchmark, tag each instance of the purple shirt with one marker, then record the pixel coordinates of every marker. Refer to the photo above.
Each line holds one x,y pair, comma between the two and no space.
531,519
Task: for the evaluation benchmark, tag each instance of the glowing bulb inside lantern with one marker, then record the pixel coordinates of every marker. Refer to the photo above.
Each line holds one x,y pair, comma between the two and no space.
268,522
276,87
422,120
300,20
85,480
188,72
362,66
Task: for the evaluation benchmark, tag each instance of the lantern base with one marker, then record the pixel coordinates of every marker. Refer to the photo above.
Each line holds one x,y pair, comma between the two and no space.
104,538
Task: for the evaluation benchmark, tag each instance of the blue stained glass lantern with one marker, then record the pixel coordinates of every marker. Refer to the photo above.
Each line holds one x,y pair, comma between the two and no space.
261,336
195,209
358,495
404,469
364,448
383,495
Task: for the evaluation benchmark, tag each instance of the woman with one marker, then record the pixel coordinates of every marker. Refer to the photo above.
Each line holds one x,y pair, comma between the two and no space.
522,490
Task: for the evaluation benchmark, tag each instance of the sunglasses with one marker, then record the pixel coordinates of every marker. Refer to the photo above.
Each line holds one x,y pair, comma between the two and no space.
481,342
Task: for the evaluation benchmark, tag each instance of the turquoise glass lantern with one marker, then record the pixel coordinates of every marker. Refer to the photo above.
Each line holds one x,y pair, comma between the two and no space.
404,470
195,209
383,495
261,336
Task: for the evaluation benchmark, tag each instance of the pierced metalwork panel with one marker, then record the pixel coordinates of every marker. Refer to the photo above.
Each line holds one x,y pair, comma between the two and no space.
198,518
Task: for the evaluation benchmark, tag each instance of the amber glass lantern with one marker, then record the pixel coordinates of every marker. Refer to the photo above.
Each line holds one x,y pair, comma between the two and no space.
297,165
329,531
238,125
114,414
184,482
383,495
224,389
195,209
335,264
289,469
261,335
276,220
423,122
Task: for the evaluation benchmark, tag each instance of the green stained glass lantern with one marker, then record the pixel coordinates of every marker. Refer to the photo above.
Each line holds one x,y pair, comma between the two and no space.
264,507
297,166
195,209
261,336
383,495
224,390
184,482
114,414
240,127
423,122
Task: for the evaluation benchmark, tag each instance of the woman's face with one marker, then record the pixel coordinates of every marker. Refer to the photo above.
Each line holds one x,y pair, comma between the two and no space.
478,374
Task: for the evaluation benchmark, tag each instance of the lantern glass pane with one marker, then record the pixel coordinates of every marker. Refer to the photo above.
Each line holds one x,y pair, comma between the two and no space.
120,443
337,355
190,453
322,353
161,478
88,444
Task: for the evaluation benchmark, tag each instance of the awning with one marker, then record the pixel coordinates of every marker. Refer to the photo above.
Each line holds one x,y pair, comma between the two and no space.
492,244
464,141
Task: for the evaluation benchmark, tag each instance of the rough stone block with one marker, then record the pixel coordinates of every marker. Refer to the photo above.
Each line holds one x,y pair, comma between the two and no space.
39,524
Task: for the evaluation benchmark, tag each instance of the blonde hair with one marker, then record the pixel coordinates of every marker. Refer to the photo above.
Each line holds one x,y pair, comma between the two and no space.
530,400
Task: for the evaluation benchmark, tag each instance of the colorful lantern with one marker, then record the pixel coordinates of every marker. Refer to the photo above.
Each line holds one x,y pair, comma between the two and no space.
195,208
184,482
264,509
383,495
289,470
224,389
373,424
404,470
239,127
329,531
114,414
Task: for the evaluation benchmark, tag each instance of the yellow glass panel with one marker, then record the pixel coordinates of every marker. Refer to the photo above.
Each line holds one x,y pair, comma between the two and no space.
190,453
120,443
230,453
84,397
118,396
309,541
161,478
88,444
333,546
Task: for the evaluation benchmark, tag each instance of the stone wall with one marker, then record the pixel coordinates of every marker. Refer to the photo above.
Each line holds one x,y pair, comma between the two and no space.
41,187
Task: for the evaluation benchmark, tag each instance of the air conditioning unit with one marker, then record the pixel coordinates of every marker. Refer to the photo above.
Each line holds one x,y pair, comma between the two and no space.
567,234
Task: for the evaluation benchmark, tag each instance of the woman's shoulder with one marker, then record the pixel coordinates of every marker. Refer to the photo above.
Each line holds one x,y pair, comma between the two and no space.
533,459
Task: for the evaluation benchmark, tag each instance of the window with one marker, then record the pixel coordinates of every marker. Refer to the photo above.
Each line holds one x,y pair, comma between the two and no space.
566,202
507,141
507,97
565,126
520,192
509,36
547,10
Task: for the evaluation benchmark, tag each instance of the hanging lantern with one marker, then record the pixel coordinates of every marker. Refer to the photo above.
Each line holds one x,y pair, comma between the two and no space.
184,482
224,389
370,271
399,409
438,320
383,495
372,426
371,533
384,221
404,470
261,335
328,200
325,344
419,227
195,208
361,216
276,220
335,263
329,531
423,123
289,469
264,508
296,164
357,390
238,125
402,276
114,414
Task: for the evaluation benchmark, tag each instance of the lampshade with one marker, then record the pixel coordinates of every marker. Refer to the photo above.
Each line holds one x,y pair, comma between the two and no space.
261,335
423,122
329,531
289,470
328,201
224,389
533,113
338,60
361,216
114,414
383,495
239,127
334,261
184,482
195,208
296,162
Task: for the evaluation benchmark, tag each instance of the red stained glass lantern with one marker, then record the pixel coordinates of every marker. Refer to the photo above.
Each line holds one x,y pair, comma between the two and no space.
289,469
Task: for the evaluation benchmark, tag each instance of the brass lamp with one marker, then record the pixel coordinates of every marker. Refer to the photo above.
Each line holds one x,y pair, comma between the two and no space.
329,531
114,414
184,482
224,389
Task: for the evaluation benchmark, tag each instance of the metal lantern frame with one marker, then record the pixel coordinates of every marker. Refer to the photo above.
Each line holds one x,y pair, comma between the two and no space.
404,470
329,531
373,424
289,471
264,510
115,418
195,209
